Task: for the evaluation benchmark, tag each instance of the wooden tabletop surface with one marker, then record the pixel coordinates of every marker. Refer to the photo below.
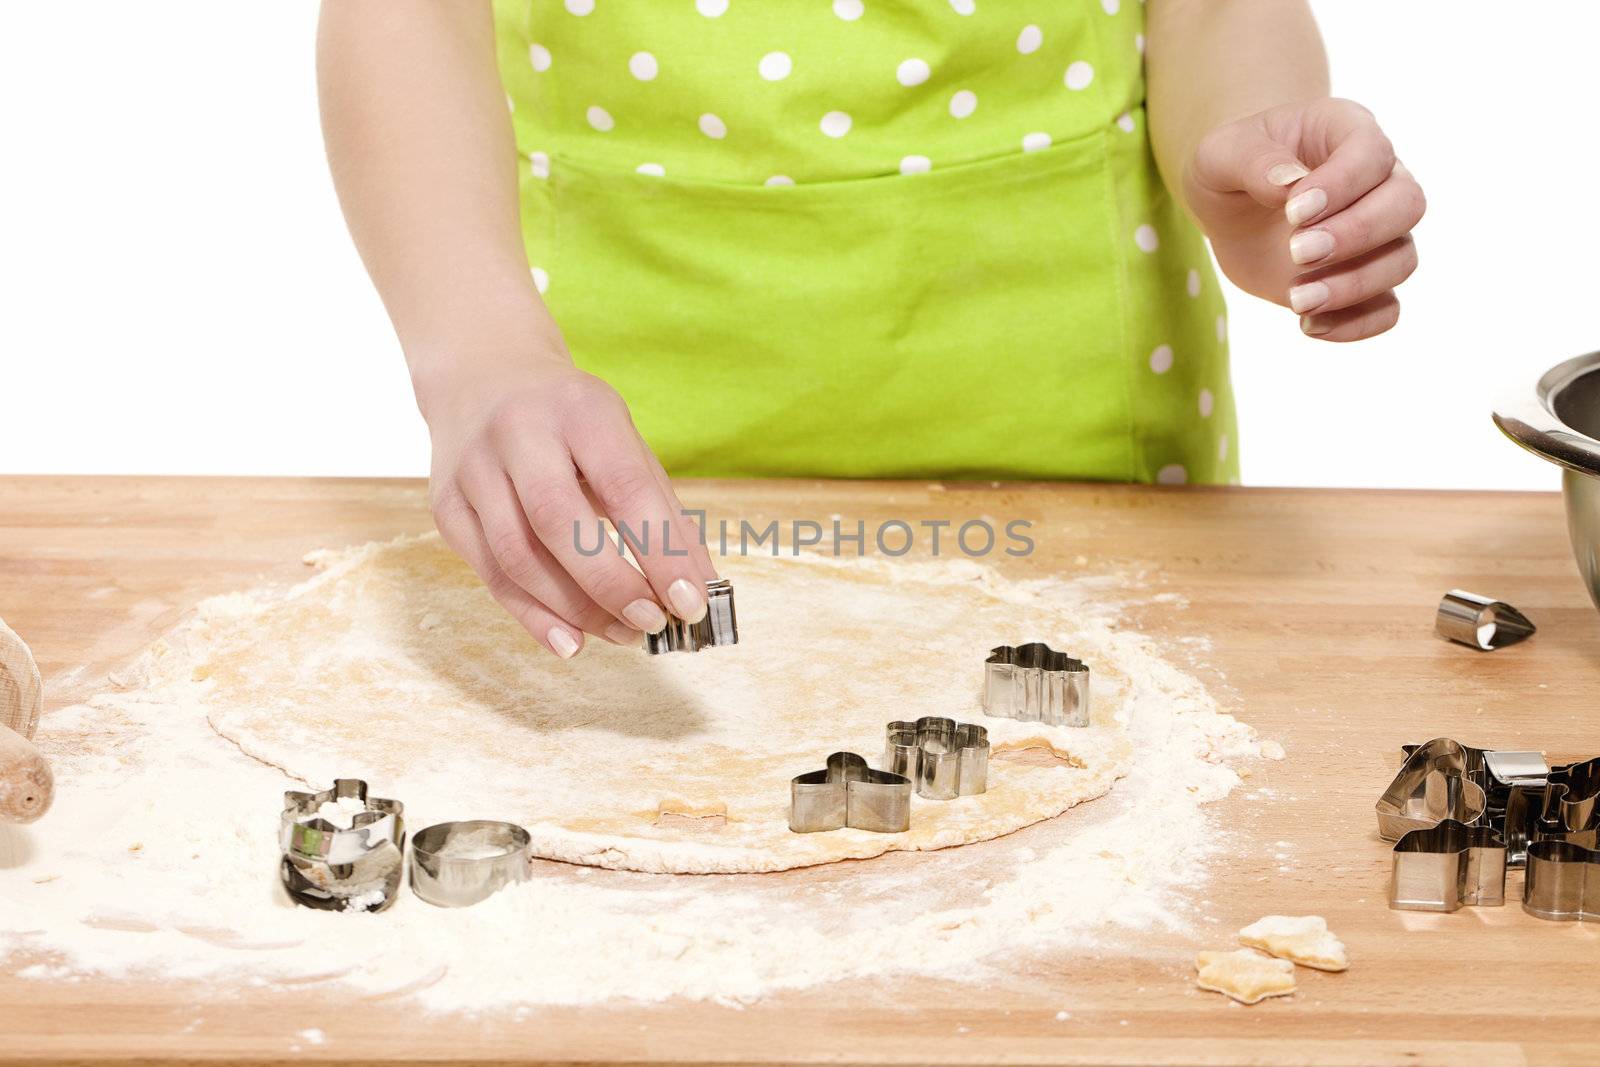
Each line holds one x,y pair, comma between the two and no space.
1319,608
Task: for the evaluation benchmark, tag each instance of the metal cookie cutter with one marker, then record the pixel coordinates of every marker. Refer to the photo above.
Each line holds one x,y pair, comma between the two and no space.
1444,779
849,793
718,626
1444,867
456,864
945,759
1482,622
338,868
1563,882
1034,683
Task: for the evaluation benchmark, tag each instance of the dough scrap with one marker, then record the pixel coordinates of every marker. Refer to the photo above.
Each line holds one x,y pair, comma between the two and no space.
1304,939
1246,976
394,665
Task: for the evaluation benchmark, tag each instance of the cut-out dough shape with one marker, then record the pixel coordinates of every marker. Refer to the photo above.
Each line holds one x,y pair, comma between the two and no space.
1302,939
1246,976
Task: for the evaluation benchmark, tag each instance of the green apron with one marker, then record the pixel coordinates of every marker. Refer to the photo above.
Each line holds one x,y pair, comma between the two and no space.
871,238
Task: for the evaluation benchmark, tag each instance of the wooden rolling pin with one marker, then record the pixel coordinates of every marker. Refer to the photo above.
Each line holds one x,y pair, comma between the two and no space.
26,785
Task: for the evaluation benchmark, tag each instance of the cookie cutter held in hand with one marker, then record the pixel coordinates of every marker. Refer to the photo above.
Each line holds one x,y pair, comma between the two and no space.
849,793
719,625
945,759
1035,683
1480,622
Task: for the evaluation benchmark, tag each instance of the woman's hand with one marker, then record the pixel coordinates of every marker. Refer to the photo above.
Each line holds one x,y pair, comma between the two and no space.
528,454
1306,206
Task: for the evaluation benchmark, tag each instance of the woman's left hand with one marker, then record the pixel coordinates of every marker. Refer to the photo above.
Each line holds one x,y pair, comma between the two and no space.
1306,206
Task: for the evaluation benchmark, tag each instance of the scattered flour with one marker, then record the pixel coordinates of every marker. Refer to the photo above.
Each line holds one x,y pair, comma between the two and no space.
200,900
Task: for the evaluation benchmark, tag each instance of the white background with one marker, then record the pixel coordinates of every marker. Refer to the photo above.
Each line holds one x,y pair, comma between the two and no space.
178,295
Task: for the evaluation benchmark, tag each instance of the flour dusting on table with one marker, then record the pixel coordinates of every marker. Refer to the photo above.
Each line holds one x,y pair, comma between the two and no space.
160,860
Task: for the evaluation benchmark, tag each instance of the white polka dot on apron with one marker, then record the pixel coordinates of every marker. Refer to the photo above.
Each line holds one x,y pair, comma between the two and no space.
915,165
1207,403
963,103
964,7
849,10
1194,283
539,164
655,170
1161,359
1222,328
711,8
1146,238
1111,6
912,72
1029,40
1172,474
642,65
541,280
713,127
780,179
775,66
1222,449
1125,122
539,57
1138,43
580,7
1079,75
836,124
600,118
1035,141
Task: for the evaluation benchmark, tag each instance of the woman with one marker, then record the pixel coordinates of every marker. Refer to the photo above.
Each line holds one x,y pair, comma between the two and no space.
858,239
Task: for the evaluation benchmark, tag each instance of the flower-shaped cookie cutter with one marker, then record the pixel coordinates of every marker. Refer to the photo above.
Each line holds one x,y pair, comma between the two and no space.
849,793
945,758
1035,683
342,868
1448,866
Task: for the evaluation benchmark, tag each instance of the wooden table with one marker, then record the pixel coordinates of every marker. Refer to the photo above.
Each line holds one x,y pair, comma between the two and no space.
1319,605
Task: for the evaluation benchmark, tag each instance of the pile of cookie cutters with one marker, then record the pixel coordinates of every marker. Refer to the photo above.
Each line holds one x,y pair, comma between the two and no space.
1461,817
938,758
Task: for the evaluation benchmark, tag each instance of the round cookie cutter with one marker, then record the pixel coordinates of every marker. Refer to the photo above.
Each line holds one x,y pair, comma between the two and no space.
457,864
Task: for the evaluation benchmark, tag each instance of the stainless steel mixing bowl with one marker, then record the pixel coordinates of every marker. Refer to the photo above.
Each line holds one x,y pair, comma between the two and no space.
1561,422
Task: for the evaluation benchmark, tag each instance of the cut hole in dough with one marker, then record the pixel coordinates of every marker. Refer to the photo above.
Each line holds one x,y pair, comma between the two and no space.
1035,752
683,815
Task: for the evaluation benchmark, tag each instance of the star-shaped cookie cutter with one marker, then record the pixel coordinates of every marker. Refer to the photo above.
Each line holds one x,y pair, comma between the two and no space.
1563,882
944,758
1448,866
847,792
303,832
1035,683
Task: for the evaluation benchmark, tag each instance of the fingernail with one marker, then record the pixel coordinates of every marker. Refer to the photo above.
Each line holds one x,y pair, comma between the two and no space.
645,615
1308,297
1286,173
1310,245
562,642
688,603
1312,327
1308,205
622,634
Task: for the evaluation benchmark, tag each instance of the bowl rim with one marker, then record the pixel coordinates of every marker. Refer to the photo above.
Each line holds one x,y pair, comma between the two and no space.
1532,422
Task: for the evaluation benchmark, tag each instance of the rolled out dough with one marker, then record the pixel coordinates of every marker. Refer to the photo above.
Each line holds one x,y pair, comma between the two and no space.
394,665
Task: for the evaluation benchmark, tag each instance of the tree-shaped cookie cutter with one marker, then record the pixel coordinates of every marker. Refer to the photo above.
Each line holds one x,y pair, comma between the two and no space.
1035,683
849,793
338,868
944,758
1448,866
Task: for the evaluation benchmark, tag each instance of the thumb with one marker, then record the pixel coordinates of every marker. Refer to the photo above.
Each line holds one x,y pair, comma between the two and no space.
1242,157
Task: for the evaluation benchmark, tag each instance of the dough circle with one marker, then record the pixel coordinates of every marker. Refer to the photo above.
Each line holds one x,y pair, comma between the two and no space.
394,665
